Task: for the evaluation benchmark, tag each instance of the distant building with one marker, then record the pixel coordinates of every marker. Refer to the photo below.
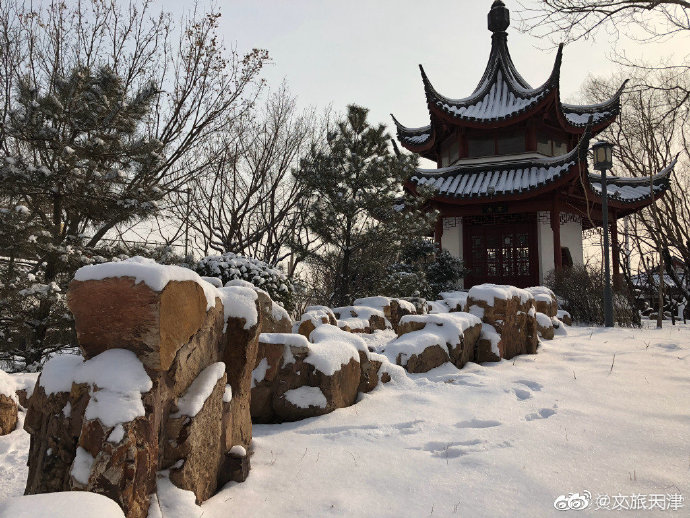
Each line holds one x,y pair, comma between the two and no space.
512,184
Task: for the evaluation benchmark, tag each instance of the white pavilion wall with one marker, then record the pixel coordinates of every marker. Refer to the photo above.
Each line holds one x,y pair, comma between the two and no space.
451,239
571,237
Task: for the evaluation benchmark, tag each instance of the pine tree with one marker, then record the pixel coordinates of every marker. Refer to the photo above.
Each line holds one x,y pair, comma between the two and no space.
356,212
77,165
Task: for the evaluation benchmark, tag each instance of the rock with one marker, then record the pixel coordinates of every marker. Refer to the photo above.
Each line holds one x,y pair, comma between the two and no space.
545,326
89,431
54,421
488,345
313,317
565,317
360,319
117,312
427,341
8,414
274,319
295,379
393,309
198,442
511,312
545,300
455,300
369,372
241,347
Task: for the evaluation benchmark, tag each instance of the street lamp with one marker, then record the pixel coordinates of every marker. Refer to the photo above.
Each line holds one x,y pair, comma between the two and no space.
603,160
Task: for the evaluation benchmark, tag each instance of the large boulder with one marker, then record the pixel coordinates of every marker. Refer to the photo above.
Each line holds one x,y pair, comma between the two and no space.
511,312
294,378
164,384
8,403
427,341
545,300
274,318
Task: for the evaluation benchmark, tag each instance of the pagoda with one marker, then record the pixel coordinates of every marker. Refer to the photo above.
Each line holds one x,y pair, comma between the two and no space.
512,186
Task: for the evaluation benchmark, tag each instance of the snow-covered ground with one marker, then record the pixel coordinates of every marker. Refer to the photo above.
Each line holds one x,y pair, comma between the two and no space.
493,440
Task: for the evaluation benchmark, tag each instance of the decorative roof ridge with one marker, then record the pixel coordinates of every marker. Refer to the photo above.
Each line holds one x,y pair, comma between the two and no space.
578,153
517,85
612,102
410,131
658,178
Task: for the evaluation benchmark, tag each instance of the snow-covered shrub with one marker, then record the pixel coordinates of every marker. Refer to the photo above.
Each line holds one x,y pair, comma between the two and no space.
423,271
229,267
580,291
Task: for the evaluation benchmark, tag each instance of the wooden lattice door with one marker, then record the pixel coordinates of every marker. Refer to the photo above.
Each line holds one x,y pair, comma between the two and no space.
501,250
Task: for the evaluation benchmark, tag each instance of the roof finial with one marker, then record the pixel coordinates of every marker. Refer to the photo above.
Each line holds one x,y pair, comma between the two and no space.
499,17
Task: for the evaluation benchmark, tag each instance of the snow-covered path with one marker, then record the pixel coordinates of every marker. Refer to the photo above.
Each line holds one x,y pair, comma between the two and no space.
489,440
495,440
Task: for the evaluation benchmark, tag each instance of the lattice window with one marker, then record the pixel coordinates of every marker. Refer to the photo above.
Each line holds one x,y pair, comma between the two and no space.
451,222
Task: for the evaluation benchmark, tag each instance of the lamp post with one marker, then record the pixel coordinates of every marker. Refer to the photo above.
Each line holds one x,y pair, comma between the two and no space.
603,160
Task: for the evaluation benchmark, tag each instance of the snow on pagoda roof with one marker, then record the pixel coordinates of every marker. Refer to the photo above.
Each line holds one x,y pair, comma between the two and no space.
413,136
633,190
500,178
503,94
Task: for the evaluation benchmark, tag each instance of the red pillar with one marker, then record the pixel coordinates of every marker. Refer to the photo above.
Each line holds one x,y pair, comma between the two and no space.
556,229
438,231
615,253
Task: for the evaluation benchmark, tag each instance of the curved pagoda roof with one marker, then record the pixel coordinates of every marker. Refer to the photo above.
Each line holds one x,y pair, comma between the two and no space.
510,180
503,97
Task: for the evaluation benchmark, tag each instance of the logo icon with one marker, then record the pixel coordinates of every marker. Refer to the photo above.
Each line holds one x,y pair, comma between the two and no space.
573,501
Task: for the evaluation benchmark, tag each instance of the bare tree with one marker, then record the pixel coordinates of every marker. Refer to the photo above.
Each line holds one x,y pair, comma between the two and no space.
104,107
653,132
249,202
574,19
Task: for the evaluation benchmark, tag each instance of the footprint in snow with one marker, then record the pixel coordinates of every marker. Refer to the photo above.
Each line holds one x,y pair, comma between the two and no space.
533,385
477,423
543,413
522,394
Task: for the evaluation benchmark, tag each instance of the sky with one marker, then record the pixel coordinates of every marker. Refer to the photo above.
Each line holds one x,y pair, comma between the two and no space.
367,52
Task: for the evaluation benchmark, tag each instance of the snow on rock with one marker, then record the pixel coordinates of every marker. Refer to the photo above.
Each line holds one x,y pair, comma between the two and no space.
490,334
414,344
199,391
117,434
437,306
455,300
364,319
544,320
259,372
58,373
25,381
239,302
304,397
116,377
67,504
81,466
284,338
331,348
8,386
213,281
489,292
313,317
174,502
238,450
227,394
155,276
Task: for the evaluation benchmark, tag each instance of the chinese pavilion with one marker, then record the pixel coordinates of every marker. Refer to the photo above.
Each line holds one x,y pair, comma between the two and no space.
512,185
